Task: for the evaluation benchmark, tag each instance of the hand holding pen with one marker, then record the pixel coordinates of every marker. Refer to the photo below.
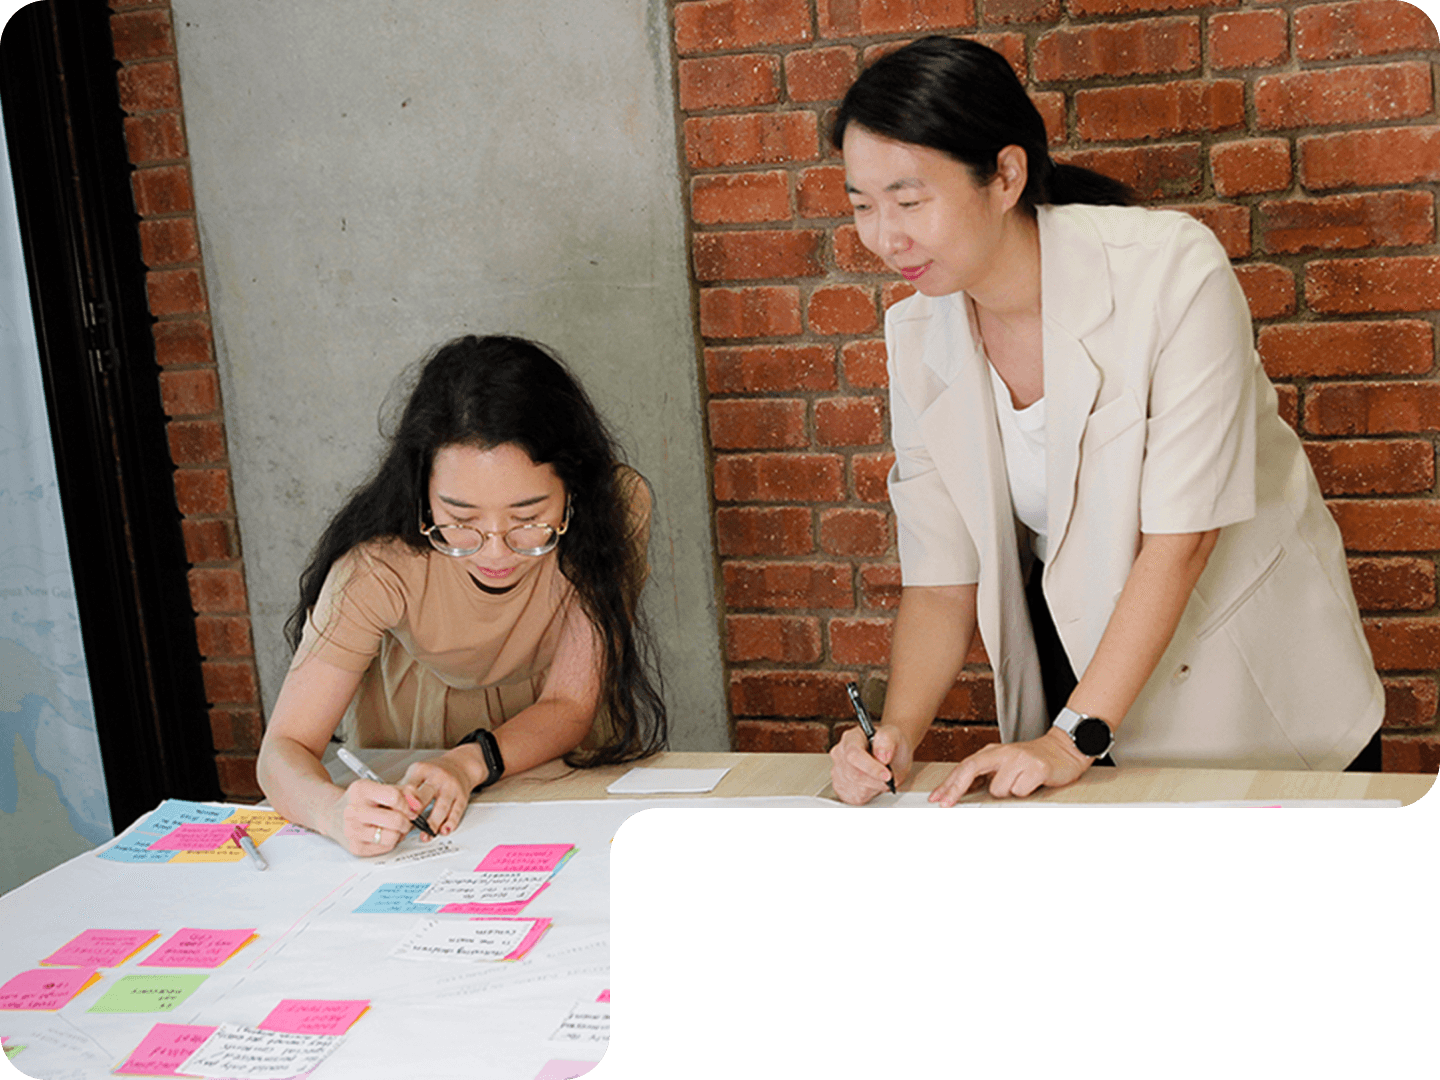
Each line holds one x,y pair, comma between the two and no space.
867,726
360,769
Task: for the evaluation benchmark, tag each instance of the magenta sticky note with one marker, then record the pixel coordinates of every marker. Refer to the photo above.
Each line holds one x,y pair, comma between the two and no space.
101,948
45,988
194,838
164,1049
525,857
565,1070
191,948
512,908
604,996
309,1016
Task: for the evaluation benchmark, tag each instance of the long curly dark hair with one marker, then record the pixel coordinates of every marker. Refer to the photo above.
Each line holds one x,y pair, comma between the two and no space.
491,391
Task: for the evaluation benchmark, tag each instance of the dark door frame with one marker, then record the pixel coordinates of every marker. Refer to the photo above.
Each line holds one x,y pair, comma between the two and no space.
64,127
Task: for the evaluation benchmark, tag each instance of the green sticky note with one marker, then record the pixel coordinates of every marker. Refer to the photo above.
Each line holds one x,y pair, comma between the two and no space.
148,993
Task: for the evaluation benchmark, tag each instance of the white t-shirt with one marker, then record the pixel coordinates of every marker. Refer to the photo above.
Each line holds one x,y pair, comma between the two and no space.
1022,434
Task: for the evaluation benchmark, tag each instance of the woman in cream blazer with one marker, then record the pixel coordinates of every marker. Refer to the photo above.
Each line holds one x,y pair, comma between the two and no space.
1196,580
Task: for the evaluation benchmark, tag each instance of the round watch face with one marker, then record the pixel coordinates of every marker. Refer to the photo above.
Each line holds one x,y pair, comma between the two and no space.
1092,736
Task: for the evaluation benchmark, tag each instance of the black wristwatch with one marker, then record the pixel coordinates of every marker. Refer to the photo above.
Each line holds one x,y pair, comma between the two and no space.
1091,735
490,751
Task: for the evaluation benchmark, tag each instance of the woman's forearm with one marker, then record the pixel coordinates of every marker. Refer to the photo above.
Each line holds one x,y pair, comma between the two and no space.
1143,622
296,784
933,630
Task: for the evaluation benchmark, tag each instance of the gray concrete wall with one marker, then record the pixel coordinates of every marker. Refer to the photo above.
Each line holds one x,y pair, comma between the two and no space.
374,177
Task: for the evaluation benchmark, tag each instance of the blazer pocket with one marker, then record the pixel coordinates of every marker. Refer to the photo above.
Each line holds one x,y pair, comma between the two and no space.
1223,614
1108,421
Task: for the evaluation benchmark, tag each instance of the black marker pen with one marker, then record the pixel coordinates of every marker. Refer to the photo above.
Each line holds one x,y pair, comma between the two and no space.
866,726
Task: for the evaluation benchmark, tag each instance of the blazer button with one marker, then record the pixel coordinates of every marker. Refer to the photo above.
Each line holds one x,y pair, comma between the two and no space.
1182,673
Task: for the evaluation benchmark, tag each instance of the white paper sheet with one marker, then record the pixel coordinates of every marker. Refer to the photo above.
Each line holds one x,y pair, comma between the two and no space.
588,1022
241,1053
642,781
483,887
416,852
437,939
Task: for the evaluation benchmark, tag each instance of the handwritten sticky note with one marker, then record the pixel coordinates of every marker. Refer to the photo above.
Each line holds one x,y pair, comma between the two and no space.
101,948
172,813
148,993
194,838
314,1017
241,1053
587,1022
260,825
604,996
565,1070
478,939
135,848
191,948
163,1049
397,898
522,857
515,907
483,887
45,989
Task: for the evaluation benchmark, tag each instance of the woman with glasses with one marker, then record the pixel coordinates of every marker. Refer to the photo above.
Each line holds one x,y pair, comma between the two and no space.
479,594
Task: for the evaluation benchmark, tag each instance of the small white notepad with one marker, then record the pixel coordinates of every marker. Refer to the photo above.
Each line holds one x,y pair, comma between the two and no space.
660,781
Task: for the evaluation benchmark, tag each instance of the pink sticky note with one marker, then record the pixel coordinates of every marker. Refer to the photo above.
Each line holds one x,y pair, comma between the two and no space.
512,908
189,948
101,948
565,1070
194,838
314,1017
164,1049
45,988
525,857
604,996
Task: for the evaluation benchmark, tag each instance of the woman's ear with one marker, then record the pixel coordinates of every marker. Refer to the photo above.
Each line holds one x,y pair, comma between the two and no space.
1012,171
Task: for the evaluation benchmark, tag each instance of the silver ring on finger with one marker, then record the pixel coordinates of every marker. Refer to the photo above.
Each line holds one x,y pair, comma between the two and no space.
378,832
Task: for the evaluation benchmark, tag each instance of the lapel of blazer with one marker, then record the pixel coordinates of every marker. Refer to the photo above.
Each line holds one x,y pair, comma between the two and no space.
1075,299
961,419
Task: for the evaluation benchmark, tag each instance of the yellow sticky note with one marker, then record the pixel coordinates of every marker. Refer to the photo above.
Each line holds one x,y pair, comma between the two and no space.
260,824
228,853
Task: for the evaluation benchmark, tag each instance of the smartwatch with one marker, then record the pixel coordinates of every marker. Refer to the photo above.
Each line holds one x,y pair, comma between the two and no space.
1091,735
490,751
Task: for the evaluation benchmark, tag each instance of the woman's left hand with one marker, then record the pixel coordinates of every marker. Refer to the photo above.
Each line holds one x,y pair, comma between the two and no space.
1016,768
448,779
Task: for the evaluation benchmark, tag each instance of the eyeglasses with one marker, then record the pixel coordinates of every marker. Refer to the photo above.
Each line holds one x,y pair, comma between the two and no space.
462,540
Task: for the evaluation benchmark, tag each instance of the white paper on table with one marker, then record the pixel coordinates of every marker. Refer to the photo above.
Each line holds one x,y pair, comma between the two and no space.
643,781
438,939
245,1053
404,856
589,1021
484,887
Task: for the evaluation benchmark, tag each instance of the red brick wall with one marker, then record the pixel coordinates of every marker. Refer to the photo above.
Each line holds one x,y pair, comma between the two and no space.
189,384
1304,134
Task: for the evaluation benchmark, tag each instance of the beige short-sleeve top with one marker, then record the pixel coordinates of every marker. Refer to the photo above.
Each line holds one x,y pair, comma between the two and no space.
439,656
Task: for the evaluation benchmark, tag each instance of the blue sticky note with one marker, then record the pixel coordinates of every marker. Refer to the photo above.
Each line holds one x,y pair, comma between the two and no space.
135,848
173,813
397,898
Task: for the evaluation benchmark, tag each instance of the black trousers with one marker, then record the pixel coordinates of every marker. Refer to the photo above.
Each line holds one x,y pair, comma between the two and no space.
1058,677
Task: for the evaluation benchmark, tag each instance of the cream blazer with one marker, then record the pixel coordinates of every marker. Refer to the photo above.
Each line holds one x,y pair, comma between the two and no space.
1159,419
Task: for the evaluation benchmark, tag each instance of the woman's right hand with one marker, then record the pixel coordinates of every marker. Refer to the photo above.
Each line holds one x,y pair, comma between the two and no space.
858,775
370,818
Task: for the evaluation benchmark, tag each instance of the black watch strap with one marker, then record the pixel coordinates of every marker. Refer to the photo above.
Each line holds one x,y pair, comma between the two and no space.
490,751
